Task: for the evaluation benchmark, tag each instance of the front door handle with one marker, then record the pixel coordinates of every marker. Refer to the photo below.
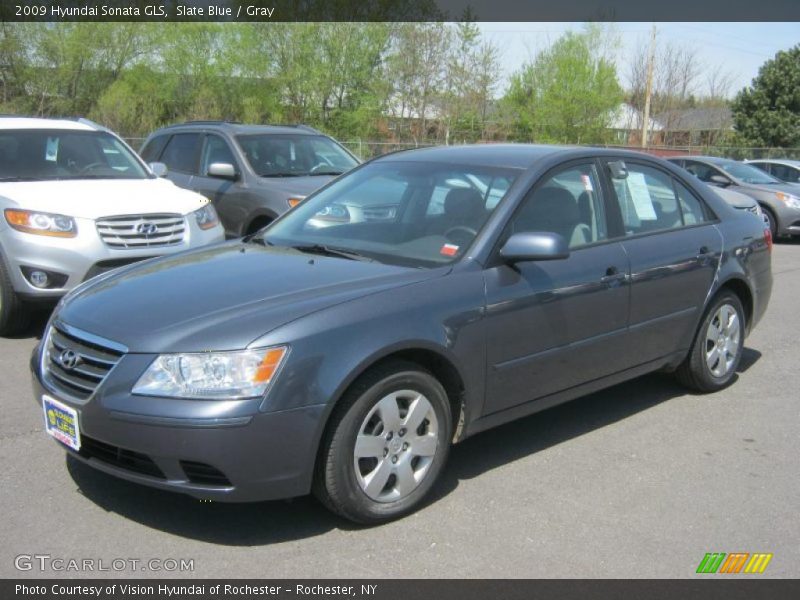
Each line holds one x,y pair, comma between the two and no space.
704,254
613,276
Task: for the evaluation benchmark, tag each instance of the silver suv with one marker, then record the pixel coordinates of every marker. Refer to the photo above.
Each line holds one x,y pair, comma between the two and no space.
76,201
252,173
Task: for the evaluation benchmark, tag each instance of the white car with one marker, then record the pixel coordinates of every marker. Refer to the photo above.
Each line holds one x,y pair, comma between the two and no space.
76,201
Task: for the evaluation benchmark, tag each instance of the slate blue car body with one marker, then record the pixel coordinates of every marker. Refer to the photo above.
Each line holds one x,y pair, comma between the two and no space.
504,340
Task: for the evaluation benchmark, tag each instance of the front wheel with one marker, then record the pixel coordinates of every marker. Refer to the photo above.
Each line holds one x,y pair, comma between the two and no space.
771,221
386,444
14,315
717,348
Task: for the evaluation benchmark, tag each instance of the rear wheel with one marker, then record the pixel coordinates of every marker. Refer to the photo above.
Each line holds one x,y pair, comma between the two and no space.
717,348
386,444
14,315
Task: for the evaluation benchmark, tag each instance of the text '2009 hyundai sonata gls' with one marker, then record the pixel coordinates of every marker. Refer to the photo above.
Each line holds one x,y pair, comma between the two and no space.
343,350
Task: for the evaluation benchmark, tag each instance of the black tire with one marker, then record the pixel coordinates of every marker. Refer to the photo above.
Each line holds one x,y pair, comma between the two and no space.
694,372
335,481
772,221
14,315
257,224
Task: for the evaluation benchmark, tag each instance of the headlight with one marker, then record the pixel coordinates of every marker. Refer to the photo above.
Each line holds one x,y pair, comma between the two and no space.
212,375
206,217
789,200
40,223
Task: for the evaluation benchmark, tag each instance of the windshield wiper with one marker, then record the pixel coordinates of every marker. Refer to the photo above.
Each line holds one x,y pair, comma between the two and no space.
330,172
17,178
330,251
282,174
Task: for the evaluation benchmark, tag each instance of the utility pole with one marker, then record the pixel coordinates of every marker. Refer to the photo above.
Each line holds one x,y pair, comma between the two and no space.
649,87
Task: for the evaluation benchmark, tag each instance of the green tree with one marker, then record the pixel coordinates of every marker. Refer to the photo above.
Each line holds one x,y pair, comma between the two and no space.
568,93
767,113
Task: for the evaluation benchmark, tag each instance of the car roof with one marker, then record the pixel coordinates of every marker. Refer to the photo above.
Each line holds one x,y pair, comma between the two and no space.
777,161
518,156
714,160
242,129
14,122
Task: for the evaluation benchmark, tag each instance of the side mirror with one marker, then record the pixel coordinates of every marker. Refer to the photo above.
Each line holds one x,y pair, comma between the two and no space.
159,169
534,245
222,170
719,180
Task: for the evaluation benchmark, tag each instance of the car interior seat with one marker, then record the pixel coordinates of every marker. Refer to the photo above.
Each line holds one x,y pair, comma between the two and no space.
464,207
554,209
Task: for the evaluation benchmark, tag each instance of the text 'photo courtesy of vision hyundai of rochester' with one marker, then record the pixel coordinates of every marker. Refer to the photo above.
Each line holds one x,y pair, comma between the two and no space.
343,350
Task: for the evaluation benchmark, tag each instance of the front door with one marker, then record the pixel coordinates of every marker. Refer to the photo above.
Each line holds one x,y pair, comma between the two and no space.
552,325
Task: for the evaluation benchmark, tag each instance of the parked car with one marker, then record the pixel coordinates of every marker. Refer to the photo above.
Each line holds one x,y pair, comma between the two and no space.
741,201
347,358
780,202
252,173
786,170
76,202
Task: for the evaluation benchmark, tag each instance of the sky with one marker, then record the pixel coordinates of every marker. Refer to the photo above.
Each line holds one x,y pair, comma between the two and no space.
741,48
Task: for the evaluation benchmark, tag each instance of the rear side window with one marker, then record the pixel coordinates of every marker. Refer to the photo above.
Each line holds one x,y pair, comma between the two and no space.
181,151
152,149
650,200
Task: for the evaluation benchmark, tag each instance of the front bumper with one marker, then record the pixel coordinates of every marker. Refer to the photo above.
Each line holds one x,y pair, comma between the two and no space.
81,257
226,451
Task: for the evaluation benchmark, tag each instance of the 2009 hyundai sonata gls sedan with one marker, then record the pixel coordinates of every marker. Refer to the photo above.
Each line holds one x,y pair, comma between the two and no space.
344,355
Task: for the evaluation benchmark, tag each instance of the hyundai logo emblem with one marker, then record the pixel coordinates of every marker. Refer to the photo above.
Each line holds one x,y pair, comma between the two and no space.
146,228
68,359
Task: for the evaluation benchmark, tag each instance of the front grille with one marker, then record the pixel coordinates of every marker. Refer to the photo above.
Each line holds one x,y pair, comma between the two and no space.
141,231
204,474
119,457
76,365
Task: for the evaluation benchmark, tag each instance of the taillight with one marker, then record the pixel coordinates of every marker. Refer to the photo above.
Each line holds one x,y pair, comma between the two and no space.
768,239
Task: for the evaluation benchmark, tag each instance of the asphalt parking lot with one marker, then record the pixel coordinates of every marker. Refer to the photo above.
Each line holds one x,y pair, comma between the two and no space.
640,480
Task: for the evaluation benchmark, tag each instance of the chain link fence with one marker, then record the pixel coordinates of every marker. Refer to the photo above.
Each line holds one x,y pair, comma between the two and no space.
367,149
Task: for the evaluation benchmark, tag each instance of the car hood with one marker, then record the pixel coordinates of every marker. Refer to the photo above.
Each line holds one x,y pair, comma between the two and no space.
222,297
95,198
735,199
786,188
295,186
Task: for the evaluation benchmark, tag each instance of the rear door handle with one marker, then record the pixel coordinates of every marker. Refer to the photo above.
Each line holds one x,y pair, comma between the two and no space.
704,254
613,276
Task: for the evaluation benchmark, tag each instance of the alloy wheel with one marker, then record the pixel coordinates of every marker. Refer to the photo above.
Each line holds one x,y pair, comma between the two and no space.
395,446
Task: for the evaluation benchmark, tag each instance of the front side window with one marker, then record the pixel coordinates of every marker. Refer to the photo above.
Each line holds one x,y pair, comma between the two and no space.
58,154
405,213
152,149
567,203
650,200
216,150
786,173
287,155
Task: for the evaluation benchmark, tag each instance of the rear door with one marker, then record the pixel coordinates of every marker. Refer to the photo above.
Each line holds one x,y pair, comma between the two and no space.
674,249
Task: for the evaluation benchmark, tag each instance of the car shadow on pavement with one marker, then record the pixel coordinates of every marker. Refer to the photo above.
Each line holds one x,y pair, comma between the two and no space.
272,522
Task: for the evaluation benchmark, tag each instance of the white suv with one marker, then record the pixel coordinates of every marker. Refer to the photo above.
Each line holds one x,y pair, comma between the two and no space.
77,201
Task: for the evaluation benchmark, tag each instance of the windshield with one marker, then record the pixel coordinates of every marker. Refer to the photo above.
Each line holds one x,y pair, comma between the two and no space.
50,154
405,213
286,155
748,173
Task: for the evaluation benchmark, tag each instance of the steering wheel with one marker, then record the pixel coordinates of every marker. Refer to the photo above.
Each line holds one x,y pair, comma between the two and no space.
458,231
90,166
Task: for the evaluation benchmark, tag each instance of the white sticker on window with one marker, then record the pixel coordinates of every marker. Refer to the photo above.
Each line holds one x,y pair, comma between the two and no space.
51,152
640,195
587,183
